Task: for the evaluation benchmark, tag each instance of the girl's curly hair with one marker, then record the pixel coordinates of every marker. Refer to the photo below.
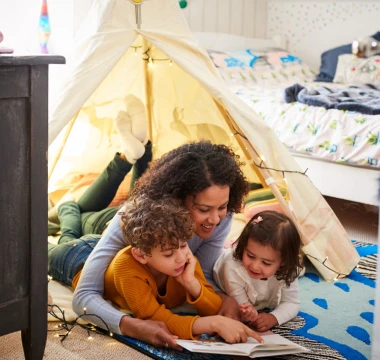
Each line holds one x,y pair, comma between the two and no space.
164,222
192,168
278,231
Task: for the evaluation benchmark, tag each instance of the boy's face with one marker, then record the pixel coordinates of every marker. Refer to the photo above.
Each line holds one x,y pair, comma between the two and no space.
170,262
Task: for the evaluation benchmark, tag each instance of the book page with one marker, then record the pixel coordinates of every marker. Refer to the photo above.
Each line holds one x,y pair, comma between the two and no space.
273,345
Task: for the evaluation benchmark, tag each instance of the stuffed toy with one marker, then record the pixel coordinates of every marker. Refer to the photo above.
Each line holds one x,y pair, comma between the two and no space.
365,47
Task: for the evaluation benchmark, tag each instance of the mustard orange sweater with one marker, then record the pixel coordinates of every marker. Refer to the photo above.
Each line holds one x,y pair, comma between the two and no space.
130,285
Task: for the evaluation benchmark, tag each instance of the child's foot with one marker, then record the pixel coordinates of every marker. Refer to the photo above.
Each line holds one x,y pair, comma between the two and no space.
131,147
139,122
53,212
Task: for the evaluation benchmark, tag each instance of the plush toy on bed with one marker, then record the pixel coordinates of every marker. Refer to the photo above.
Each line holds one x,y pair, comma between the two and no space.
365,47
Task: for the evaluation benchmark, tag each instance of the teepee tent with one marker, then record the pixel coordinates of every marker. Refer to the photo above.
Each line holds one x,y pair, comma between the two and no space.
186,100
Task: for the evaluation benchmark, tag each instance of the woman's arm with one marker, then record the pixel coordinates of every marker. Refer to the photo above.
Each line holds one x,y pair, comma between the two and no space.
90,289
151,332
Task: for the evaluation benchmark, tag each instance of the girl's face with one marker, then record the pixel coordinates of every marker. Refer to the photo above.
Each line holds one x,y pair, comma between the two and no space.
207,208
261,262
168,261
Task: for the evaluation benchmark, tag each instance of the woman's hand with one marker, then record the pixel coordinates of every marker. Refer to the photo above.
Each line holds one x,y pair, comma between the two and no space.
187,278
264,322
152,332
230,307
248,313
232,331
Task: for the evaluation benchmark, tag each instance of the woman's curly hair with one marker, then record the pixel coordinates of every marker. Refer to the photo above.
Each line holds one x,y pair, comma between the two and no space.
164,222
192,168
278,231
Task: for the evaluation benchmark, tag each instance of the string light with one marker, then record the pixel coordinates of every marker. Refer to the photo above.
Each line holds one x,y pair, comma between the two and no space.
146,56
136,47
324,264
69,325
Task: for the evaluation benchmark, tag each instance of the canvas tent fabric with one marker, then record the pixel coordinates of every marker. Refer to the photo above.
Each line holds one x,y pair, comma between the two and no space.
186,100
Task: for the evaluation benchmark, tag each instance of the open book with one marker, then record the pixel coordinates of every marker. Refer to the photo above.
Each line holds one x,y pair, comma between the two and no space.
274,345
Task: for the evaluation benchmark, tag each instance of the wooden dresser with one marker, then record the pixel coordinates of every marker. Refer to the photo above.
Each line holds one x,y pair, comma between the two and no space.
23,198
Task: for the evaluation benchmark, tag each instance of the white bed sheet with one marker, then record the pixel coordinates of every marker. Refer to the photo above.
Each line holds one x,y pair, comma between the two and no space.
334,135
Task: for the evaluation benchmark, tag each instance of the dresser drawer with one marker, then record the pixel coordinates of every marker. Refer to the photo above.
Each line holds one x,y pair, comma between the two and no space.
14,82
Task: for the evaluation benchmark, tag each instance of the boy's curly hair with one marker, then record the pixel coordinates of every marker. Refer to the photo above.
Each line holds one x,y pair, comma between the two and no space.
278,231
192,168
164,222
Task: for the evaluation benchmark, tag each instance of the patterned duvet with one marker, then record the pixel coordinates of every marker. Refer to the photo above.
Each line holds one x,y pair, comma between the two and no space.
335,135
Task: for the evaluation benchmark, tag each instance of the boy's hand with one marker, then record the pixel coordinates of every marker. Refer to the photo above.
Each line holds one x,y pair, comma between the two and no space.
233,331
187,275
187,278
264,322
248,313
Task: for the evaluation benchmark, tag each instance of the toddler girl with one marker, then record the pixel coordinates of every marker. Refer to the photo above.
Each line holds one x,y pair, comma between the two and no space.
261,270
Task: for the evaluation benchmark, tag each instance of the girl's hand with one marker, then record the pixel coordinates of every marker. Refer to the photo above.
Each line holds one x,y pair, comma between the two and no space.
233,331
264,322
248,313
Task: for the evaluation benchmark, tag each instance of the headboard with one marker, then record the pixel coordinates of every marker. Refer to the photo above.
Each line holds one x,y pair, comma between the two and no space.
237,17
310,26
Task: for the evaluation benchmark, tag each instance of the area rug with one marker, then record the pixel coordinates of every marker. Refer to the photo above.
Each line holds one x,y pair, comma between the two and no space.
335,320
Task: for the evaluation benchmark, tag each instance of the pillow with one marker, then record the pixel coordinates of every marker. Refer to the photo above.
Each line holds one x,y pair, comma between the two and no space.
261,200
267,75
250,58
355,70
329,60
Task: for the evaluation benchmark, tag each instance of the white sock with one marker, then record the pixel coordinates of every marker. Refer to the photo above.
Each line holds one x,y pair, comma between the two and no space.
139,122
132,147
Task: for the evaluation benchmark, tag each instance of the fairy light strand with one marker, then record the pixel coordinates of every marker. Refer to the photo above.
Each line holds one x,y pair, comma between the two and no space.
68,326
327,267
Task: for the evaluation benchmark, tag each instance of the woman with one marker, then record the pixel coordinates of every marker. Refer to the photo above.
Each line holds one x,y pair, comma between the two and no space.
209,181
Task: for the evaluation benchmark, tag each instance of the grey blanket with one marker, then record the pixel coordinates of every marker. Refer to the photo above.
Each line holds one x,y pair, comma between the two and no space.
362,98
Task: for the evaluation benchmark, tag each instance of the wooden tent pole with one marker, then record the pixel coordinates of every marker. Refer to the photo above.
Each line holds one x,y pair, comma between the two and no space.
148,88
63,143
265,174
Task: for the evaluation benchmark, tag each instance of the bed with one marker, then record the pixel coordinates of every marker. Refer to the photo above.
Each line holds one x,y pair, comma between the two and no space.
338,148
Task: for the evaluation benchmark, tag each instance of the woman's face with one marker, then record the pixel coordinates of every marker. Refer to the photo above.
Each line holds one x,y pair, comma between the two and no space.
207,208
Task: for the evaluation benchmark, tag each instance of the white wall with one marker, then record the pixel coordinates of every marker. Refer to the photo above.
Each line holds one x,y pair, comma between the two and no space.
238,17
314,26
19,24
